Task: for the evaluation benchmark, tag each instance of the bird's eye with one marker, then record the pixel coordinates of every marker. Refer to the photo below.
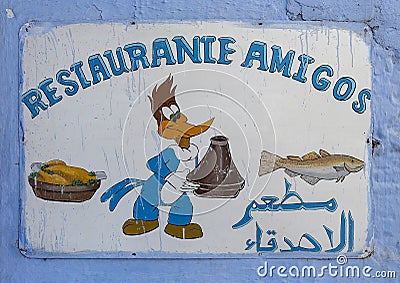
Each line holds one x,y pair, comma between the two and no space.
167,112
174,108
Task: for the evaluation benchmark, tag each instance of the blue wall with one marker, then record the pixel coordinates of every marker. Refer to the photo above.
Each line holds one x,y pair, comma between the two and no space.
378,15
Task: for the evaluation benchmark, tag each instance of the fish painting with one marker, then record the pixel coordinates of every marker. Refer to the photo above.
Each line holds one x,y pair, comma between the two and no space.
312,167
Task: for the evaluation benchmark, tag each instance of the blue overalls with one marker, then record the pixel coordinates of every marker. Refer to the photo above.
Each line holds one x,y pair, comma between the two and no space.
146,205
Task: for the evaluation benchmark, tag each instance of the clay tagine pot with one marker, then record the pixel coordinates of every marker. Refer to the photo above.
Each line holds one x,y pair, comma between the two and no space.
216,173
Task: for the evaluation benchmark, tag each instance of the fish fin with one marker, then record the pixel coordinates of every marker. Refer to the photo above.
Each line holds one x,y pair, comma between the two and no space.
293,157
339,168
291,173
311,156
310,179
268,163
340,179
324,153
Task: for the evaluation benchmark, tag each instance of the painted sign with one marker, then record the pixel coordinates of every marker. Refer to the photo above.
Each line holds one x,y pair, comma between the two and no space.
194,139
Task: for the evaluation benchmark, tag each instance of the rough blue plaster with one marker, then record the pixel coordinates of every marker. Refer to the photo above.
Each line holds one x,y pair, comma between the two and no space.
379,15
311,10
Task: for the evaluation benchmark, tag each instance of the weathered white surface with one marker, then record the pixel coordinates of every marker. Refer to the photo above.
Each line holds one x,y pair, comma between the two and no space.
109,126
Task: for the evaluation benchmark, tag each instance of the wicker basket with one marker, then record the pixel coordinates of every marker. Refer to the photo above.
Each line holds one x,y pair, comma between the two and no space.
64,193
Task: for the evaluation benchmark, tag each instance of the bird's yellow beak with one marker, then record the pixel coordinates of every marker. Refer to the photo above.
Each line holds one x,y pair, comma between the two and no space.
181,131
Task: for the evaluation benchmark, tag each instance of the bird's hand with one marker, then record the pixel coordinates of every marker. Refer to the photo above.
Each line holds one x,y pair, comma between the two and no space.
188,187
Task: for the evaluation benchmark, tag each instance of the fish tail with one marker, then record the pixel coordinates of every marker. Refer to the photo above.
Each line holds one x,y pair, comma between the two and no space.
269,162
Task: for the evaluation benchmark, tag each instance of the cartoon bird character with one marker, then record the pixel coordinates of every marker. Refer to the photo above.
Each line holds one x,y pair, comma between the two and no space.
169,168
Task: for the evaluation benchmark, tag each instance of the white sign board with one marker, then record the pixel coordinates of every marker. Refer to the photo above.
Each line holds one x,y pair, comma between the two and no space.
194,139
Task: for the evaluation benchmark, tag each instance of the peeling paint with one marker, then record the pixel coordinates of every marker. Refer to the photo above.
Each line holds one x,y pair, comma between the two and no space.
10,13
